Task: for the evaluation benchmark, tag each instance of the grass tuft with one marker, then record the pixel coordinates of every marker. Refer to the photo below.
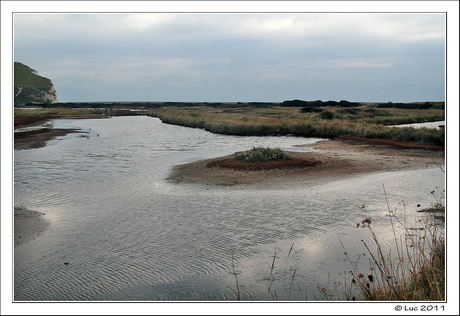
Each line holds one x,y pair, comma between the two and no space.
260,155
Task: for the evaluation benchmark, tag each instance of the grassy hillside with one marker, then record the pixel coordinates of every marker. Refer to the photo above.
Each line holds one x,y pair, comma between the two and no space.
24,76
30,88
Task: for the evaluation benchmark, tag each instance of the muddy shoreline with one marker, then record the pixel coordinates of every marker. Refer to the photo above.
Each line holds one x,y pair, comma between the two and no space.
38,138
327,161
28,225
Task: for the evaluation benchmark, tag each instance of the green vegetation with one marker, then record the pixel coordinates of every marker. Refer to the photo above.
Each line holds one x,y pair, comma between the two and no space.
24,76
326,115
260,155
30,88
345,103
415,105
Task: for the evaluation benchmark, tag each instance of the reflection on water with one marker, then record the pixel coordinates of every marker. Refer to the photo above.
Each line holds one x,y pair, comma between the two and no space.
435,125
127,234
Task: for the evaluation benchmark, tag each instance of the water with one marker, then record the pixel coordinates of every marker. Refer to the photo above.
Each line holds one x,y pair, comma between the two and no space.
433,125
128,234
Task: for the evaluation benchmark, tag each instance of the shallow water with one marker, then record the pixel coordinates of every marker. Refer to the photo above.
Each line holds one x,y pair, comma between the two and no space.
127,234
433,125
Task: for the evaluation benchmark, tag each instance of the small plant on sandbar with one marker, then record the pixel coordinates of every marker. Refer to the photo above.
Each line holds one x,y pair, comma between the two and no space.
260,155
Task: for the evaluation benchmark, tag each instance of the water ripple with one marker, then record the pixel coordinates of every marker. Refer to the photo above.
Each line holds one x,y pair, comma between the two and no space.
125,233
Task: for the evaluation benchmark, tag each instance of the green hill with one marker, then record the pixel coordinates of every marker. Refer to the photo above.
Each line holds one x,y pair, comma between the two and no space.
30,88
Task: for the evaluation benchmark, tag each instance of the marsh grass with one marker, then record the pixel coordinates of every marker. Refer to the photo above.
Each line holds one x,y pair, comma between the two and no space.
26,115
331,122
260,155
363,122
30,115
23,112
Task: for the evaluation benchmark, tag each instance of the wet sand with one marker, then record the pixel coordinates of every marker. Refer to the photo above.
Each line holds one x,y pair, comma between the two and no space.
328,161
39,138
28,225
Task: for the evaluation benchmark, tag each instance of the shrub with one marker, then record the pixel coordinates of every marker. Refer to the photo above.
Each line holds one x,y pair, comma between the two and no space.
310,109
326,115
260,155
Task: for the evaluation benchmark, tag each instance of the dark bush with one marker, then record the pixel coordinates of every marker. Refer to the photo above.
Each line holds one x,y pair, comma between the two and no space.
260,155
422,106
326,115
296,103
311,109
350,111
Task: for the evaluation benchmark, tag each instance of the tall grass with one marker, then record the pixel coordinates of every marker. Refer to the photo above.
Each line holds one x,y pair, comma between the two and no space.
413,271
332,122
417,274
29,116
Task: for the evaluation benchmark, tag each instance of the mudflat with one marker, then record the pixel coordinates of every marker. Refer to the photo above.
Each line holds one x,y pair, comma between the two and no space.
326,161
38,138
28,225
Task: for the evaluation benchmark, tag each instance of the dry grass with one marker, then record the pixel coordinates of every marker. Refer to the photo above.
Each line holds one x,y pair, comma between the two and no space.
415,271
278,120
26,115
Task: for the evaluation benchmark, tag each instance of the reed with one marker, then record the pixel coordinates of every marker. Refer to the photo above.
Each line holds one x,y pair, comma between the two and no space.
36,114
415,271
331,122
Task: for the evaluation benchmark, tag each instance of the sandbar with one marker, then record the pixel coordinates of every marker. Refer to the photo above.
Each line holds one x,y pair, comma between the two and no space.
327,161
28,225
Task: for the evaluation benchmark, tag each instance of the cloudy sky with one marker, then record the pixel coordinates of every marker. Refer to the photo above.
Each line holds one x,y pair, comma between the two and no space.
236,57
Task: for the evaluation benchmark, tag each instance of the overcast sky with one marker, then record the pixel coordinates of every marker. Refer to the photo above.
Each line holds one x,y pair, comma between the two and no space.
236,57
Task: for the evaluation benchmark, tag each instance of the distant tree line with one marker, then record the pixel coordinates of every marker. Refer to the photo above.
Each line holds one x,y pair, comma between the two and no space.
307,106
414,105
141,104
318,103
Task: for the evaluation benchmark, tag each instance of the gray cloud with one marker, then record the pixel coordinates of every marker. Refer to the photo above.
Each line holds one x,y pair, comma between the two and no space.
236,57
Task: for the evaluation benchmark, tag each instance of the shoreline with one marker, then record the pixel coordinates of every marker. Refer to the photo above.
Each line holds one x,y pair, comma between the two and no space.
38,138
28,225
329,160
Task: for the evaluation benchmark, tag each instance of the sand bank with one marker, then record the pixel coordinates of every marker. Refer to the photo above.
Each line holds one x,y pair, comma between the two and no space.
28,225
38,138
327,161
